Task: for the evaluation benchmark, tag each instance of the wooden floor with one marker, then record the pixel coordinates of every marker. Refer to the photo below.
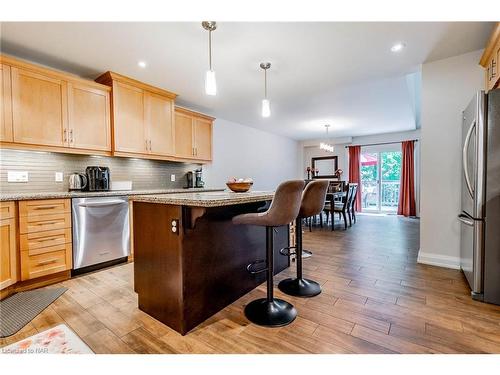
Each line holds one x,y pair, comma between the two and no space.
376,299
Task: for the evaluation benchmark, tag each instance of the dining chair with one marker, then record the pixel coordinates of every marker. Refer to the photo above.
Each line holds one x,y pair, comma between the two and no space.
351,208
341,207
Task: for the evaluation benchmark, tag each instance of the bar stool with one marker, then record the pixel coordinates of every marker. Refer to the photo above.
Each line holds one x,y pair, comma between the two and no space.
270,311
313,201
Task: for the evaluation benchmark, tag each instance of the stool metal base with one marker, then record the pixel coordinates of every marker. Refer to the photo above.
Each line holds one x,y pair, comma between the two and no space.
276,313
299,287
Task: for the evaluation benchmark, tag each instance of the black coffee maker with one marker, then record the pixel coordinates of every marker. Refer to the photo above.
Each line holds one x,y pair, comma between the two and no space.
190,180
98,178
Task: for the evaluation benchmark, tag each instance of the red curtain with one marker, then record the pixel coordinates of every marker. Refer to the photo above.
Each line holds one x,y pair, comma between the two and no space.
406,204
354,175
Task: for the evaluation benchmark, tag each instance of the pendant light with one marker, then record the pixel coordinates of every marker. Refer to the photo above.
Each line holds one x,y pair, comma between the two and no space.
326,146
266,105
210,84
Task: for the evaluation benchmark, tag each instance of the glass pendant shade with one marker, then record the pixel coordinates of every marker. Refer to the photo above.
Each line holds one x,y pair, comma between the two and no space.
210,84
266,108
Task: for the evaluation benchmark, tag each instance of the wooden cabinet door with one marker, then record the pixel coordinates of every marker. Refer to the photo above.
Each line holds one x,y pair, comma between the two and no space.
6,132
8,253
39,108
89,118
184,136
128,119
159,113
203,139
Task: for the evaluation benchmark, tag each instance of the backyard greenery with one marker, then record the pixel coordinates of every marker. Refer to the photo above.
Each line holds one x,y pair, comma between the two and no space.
391,168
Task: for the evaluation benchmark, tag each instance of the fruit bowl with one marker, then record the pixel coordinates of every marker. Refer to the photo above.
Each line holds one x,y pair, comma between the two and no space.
239,187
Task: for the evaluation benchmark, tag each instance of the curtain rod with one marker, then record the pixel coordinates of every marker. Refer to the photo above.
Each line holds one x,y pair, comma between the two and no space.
383,143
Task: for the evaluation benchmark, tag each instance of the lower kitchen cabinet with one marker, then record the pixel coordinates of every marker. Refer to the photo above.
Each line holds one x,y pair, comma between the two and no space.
45,261
8,245
45,237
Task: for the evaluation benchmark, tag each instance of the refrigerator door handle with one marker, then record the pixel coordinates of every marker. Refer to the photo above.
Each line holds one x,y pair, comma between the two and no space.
466,220
464,159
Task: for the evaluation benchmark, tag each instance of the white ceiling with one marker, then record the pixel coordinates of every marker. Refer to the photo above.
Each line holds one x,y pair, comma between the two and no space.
338,73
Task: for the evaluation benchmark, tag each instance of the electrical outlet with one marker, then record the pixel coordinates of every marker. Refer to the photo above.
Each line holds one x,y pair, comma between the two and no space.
172,177
59,177
17,176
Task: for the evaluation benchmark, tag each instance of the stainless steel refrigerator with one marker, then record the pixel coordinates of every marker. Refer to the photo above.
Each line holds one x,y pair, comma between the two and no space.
480,215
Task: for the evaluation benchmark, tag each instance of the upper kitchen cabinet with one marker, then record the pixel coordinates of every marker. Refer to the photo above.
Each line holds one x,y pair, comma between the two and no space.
142,118
203,138
6,131
89,117
49,110
159,117
39,108
193,135
128,119
489,59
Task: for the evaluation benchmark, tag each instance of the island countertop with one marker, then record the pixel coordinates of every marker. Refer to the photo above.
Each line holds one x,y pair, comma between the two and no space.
205,199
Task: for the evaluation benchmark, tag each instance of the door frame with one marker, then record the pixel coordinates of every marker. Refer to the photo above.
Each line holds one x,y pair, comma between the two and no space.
378,150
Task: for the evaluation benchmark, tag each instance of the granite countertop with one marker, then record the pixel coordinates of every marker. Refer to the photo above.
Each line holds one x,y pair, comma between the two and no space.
206,199
81,194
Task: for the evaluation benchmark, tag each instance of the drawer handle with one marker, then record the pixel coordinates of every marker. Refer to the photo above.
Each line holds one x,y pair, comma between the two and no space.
45,262
44,207
48,239
47,223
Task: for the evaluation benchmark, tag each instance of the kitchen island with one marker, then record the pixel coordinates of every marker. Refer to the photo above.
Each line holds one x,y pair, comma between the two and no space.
190,260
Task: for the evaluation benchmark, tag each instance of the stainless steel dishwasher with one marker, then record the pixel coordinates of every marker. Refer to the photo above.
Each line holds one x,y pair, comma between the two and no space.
101,232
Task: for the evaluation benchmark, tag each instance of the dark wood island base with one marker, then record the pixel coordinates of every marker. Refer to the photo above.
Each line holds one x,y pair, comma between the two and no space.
190,262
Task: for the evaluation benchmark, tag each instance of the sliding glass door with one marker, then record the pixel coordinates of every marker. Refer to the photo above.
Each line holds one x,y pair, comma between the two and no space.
380,180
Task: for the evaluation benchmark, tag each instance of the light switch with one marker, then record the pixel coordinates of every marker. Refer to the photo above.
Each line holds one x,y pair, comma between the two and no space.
17,176
172,177
59,177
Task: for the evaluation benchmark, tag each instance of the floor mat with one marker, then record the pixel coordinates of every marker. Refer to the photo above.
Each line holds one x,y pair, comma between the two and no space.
56,340
21,308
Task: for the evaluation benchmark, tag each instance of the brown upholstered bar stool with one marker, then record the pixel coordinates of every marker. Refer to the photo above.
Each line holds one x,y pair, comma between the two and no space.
313,201
270,311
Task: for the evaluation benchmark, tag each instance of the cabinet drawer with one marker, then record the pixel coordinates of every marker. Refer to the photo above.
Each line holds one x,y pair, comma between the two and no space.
58,260
7,210
38,242
31,224
44,207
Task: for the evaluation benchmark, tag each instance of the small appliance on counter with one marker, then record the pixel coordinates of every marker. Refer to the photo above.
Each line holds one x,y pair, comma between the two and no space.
199,183
77,181
194,179
98,178
190,180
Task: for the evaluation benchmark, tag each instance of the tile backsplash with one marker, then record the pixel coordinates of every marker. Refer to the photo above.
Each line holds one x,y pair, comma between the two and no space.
42,166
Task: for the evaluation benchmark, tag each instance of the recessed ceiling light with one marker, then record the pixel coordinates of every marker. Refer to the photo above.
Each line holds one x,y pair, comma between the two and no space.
142,64
398,47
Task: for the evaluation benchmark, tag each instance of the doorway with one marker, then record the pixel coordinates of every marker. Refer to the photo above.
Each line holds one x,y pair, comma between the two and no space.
380,180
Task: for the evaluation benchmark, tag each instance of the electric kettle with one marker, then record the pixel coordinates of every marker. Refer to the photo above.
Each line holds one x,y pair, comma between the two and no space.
77,181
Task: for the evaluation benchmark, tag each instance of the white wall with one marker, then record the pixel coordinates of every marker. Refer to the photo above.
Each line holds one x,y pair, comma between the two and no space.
241,151
447,87
339,150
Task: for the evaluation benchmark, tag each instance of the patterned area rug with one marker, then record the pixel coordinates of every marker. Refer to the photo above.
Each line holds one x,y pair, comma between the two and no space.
21,308
56,340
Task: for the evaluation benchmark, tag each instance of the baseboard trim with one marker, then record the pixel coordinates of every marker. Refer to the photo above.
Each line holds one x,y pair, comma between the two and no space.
432,259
